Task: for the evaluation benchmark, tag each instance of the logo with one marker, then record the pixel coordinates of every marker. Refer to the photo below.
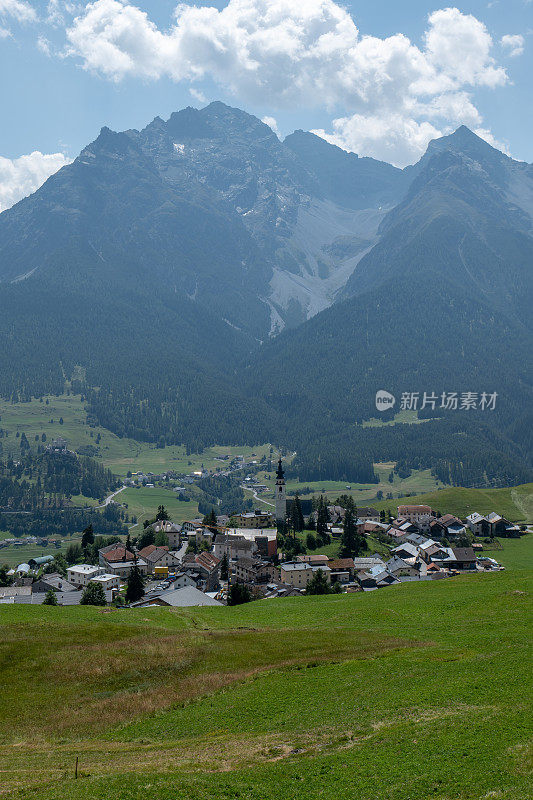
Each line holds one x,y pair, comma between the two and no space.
384,400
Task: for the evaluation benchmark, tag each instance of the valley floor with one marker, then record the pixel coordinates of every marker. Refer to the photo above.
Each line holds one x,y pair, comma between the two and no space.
419,691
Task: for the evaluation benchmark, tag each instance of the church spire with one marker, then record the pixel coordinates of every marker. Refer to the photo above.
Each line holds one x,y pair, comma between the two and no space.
281,497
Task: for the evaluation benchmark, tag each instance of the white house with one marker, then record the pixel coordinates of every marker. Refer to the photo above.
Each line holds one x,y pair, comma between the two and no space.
82,574
107,581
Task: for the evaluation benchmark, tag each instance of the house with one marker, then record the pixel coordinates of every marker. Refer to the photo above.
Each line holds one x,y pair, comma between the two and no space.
478,524
316,560
207,565
244,570
296,574
114,553
376,577
431,549
172,531
158,557
403,569
107,581
187,596
465,558
453,527
419,515
183,579
406,550
499,526
190,526
123,568
254,519
53,581
9,592
365,564
336,514
233,546
81,574
368,514
342,569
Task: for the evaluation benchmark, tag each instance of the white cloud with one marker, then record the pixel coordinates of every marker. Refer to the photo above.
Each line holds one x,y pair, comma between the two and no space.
20,177
514,44
272,124
390,94
19,10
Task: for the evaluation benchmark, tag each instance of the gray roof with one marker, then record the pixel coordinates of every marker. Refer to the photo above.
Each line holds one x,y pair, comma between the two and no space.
181,598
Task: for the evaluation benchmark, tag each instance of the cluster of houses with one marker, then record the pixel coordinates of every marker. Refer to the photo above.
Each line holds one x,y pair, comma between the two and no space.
24,541
200,562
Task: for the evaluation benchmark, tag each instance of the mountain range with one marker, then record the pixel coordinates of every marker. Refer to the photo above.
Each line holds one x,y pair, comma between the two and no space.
201,281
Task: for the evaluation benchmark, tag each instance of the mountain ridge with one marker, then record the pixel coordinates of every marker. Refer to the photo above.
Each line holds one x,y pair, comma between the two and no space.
162,264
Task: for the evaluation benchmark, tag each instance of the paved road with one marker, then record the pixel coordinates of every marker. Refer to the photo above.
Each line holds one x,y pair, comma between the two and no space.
256,497
111,496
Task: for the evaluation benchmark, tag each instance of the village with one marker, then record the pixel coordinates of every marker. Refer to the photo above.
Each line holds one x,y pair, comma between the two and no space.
221,559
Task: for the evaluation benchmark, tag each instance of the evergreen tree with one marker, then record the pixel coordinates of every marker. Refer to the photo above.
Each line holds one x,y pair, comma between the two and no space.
87,537
296,516
146,538
238,593
50,598
135,584
5,579
210,519
311,542
93,595
224,568
162,514
352,543
318,584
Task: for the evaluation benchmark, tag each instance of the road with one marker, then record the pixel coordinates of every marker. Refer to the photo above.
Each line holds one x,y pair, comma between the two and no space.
111,496
259,499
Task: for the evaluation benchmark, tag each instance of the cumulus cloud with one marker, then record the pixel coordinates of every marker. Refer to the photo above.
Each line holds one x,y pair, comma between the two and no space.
19,10
514,44
20,177
272,124
390,95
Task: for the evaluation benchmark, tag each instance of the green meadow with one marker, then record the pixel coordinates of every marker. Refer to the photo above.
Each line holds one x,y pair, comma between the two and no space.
413,692
514,503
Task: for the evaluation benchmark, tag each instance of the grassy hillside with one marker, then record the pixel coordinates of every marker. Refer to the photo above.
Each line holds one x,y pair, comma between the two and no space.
514,503
120,455
417,691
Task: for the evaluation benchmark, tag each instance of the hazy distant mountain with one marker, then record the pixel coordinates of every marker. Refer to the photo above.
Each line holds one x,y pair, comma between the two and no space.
259,232
440,304
156,264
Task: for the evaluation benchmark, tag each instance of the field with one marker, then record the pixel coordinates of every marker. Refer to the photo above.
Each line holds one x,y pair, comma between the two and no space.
416,691
120,455
143,503
515,503
13,556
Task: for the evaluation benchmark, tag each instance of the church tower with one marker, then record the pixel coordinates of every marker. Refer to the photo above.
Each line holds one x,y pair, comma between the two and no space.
281,497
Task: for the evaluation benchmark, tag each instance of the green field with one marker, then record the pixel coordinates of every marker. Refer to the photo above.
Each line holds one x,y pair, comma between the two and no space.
143,503
515,503
13,556
120,455
416,691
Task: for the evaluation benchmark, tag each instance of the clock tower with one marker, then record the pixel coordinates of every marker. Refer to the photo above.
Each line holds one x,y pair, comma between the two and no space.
281,497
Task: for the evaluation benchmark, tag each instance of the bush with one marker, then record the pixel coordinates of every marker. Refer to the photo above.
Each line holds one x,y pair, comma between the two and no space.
93,595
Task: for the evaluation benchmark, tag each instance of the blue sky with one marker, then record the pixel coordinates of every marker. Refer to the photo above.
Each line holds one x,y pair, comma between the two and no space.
379,77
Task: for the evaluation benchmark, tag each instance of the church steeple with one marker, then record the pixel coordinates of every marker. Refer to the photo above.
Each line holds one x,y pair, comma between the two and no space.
281,497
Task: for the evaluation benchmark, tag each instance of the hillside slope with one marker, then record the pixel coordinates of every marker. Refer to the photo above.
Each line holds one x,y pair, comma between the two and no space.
309,702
